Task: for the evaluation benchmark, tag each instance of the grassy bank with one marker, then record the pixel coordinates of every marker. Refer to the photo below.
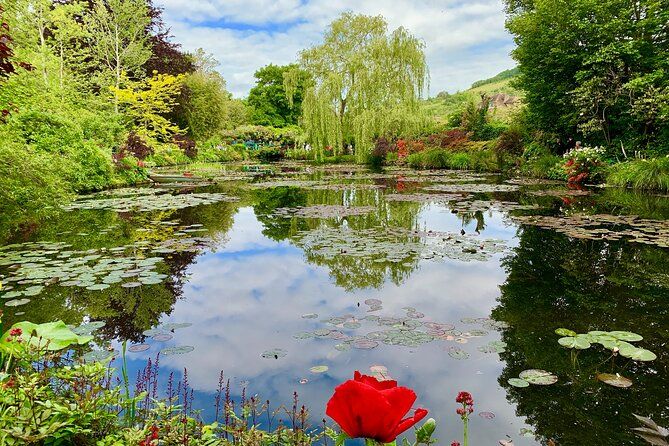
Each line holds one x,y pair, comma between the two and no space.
650,174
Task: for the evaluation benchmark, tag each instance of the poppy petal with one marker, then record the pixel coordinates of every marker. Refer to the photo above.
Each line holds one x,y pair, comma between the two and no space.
401,399
405,424
371,381
359,409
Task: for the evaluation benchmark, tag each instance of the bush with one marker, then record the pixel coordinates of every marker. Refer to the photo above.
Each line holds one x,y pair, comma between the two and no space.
167,155
89,168
382,147
585,164
129,170
186,145
650,174
448,139
135,146
270,154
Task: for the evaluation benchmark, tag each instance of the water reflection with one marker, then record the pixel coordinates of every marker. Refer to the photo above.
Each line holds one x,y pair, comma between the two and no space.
246,291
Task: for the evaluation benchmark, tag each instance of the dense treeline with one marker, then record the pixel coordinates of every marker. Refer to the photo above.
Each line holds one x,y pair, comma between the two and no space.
595,69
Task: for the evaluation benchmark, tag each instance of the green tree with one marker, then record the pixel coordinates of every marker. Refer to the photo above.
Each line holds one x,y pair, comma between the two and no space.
145,103
205,101
597,68
268,99
118,39
366,82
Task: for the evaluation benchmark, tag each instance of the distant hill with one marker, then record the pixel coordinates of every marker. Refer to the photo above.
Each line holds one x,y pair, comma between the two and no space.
504,75
506,99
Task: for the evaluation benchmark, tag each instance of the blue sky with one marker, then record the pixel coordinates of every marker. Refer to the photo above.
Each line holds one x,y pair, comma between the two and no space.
465,40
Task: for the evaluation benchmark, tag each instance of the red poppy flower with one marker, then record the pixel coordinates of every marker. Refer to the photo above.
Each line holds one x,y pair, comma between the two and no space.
365,407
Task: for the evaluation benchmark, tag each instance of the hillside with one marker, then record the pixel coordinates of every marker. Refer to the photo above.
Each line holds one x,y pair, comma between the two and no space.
507,98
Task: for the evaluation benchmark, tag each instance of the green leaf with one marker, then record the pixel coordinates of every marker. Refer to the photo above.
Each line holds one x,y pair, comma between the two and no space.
518,382
579,342
565,332
52,335
626,336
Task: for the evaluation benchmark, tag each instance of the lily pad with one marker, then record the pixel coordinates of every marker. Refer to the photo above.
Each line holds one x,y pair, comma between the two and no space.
178,350
518,382
274,353
137,348
614,380
565,332
627,336
319,369
538,377
578,342
457,353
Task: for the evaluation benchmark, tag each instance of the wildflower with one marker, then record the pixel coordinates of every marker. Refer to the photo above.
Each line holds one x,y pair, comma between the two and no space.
365,407
15,332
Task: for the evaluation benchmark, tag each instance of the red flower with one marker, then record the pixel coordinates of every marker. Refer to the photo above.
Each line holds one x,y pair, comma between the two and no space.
16,332
365,407
455,443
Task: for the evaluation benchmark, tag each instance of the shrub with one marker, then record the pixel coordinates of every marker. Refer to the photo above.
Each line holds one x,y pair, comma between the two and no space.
382,147
135,146
89,168
270,154
641,174
167,155
448,139
585,164
186,144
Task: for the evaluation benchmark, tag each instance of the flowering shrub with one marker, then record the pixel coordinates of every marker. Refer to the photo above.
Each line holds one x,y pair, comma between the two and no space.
584,164
365,407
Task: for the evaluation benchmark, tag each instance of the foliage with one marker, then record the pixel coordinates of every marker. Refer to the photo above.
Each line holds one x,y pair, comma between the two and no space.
594,68
482,159
134,145
269,99
118,40
585,164
504,75
205,103
641,174
365,83
186,144
269,154
145,104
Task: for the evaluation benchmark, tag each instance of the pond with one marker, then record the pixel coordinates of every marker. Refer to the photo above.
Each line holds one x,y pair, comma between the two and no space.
287,278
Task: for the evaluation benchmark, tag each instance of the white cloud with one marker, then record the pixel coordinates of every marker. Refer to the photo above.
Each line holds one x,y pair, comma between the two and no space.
465,41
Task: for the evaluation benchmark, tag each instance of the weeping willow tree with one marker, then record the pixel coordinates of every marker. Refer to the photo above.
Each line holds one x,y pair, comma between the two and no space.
365,83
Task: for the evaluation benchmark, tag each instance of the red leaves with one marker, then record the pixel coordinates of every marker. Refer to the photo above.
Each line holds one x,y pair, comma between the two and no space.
365,407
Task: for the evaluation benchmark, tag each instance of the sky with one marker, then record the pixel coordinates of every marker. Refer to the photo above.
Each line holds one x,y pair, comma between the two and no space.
465,40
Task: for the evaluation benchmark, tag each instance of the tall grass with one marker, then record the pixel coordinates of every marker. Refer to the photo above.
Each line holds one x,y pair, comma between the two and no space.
651,174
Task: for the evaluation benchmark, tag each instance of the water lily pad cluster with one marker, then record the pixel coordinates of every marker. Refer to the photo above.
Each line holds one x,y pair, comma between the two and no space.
153,202
604,227
33,266
619,342
324,211
474,188
409,330
424,198
561,193
395,245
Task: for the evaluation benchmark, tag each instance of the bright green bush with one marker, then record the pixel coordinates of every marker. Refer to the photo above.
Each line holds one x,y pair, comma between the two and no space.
641,174
167,155
88,168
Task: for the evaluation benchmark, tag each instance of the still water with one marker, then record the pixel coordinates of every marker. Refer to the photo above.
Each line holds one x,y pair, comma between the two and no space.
288,278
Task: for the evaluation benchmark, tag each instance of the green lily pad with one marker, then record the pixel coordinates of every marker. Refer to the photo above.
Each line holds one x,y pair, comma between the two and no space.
303,335
637,354
627,336
565,332
578,342
319,369
98,355
17,302
274,353
538,377
178,350
518,382
457,353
